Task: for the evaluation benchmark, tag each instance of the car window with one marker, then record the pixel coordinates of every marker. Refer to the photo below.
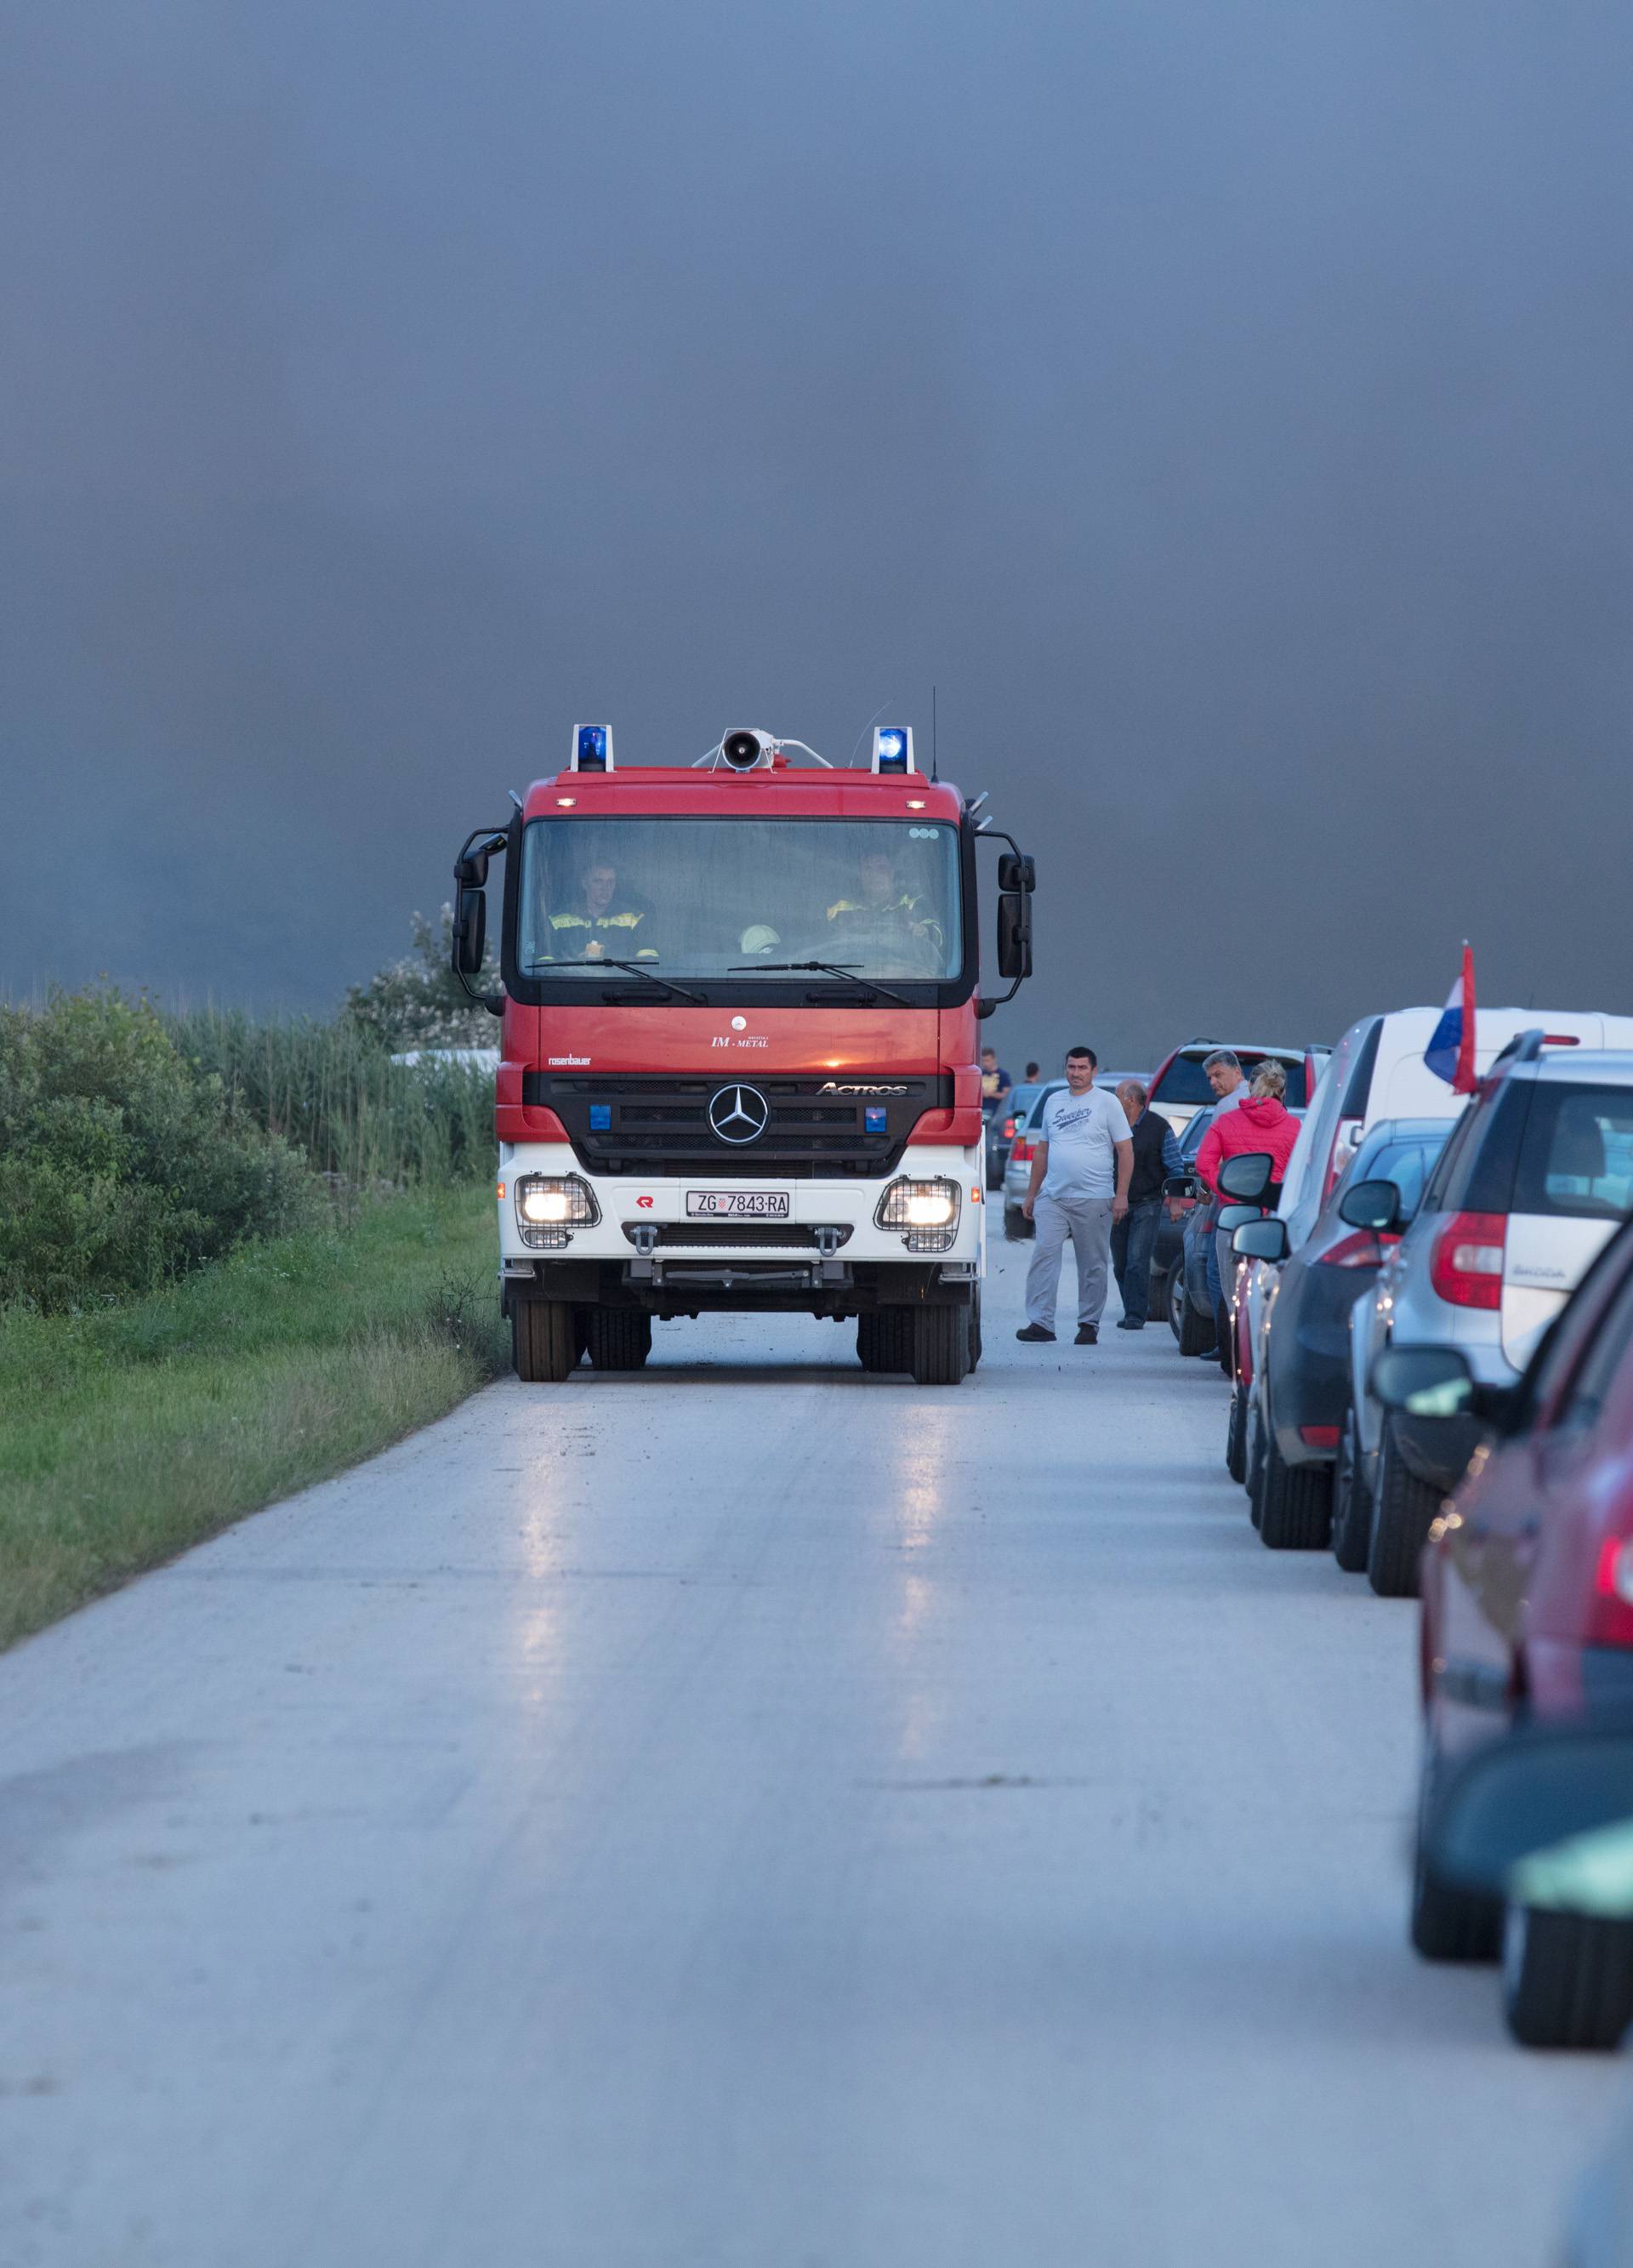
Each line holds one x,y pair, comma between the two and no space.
1191,1140
1577,1154
1476,1173
1044,1094
1584,1398
1406,1164
1185,1081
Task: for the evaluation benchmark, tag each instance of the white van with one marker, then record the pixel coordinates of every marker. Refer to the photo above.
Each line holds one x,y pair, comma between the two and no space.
1377,1070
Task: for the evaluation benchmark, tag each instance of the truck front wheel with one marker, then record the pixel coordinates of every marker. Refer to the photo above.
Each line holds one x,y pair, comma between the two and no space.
618,1338
543,1346
940,1350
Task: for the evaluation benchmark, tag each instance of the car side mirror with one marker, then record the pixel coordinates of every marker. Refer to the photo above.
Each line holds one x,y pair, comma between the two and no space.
1260,1239
1179,1185
1014,936
1424,1381
1372,1204
1237,1216
1248,1177
470,932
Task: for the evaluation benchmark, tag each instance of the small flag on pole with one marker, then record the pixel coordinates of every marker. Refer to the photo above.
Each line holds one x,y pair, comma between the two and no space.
1450,1053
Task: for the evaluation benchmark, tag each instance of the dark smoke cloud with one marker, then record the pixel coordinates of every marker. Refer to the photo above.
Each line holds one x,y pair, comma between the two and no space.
1223,406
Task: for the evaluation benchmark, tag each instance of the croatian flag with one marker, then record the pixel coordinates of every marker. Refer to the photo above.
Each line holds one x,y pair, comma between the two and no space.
1450,1053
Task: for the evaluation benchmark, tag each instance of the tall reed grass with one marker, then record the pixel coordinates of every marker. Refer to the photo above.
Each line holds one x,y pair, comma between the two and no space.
331,1089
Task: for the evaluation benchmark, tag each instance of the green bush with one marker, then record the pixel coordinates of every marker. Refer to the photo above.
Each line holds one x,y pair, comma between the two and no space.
123,1165
418,1002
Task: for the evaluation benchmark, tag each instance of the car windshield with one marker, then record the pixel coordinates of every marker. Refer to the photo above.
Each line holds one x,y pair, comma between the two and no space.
706,897
1404,1160
1185,1082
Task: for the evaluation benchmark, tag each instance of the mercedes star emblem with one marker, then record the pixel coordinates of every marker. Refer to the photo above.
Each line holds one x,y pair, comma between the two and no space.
739,1114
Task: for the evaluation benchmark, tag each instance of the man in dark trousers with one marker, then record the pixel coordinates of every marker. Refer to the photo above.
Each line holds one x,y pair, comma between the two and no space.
1156,1156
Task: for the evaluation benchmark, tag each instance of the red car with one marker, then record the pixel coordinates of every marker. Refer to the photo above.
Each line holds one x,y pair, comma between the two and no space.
1527,1621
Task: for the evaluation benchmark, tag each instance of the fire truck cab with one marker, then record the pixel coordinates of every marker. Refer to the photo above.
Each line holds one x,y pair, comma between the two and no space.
740,1067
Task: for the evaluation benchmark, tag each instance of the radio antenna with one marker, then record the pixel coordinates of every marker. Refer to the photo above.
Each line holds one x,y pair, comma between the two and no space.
934,774
862,735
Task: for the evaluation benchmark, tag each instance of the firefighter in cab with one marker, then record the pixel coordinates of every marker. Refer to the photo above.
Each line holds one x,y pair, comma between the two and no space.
882,913
602,920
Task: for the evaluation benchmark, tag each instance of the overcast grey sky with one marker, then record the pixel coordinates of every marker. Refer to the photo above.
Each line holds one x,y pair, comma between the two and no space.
1227,404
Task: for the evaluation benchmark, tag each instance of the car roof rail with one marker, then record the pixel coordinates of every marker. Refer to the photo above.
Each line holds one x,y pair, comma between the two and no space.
1524,1046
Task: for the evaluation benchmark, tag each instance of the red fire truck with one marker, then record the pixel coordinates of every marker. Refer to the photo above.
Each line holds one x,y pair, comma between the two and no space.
740,1064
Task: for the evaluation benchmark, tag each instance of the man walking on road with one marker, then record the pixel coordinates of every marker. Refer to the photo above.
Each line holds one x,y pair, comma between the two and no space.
1155,1155
1079,1187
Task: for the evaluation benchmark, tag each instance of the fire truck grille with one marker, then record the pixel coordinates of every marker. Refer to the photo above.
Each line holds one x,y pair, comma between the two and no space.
738,1236
656,1124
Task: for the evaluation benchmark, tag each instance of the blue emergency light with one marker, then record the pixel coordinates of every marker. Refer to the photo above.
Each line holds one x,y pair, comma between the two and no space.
592,749
892,748
876,1119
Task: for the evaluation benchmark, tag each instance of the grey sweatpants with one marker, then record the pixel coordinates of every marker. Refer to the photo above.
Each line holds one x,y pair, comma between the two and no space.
1087,1221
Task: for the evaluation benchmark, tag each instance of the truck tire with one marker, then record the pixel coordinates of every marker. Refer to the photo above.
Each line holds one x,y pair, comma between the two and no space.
542,1346
1567,1978
1017,1227
1236,1438
974,1327
883,1340
1401,1515
1197,1335
618,1338
1352,1501
1295,1502
938,1353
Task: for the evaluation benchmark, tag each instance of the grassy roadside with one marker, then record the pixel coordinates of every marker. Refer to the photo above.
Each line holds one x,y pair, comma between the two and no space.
129,1434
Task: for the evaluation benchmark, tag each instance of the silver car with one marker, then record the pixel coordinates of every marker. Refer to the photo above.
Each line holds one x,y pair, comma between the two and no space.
1536,1177
1017,1168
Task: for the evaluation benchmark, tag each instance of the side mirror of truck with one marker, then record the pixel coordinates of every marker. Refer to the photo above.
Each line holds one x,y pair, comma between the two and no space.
1017,872
1014,935
470,932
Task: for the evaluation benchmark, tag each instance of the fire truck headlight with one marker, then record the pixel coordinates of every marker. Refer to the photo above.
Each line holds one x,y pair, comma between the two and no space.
549,1206
926,1213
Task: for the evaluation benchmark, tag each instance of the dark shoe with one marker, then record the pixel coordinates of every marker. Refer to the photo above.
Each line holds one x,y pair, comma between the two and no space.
1123,1324
1088,1335
1036,1334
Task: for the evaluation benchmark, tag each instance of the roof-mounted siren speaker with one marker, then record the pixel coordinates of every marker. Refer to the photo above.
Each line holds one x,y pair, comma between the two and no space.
746,750
892,748
592,749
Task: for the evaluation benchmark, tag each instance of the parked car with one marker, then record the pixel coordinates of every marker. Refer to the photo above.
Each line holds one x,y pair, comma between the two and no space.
1018,1169
1180,1201
1527,1620
1536,1175
1180,1087
1293,1386
1198,1314
1001,1127
1377,1070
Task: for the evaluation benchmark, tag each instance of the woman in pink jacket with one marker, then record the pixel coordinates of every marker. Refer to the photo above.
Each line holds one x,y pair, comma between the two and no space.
1261,1124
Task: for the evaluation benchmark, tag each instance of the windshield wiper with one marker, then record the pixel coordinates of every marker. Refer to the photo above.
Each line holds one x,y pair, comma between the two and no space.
642,968
845,968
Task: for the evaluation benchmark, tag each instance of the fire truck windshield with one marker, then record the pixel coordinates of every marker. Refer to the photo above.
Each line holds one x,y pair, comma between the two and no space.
715,897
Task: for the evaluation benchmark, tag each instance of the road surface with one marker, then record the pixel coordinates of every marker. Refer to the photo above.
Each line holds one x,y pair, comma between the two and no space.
750,1815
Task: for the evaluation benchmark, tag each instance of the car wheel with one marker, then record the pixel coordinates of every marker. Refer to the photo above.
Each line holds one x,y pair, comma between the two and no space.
1448,1924
1173,1298
1352,1503
1567,1978
1256,1464
1402,1516
1295,1502
1236,1437
1197,1332
1017,1227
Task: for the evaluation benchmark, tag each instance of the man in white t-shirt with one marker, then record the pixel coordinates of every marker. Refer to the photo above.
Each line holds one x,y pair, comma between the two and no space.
1080,1173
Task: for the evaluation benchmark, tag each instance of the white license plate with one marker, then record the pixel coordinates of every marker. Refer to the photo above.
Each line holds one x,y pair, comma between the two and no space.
737,1204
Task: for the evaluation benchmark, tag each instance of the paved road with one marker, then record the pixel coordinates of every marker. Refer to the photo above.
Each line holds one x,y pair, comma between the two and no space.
750,1815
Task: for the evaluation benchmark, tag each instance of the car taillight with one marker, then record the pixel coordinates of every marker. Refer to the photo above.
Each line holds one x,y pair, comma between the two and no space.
1363,1250
1466,1265
1610,1616
1009,1130
1024,1152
